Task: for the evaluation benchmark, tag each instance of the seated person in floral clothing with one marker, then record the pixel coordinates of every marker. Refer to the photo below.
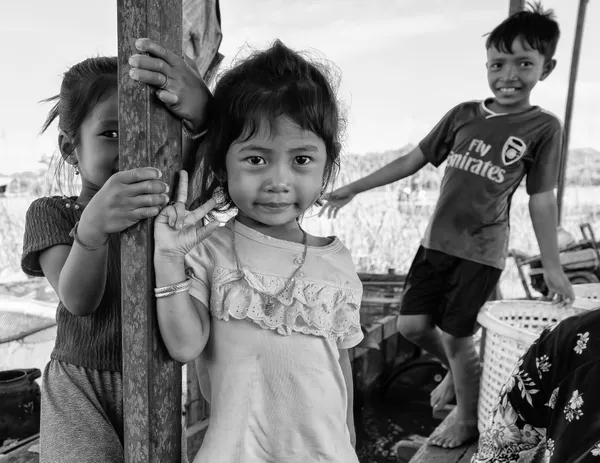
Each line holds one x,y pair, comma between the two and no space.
551,400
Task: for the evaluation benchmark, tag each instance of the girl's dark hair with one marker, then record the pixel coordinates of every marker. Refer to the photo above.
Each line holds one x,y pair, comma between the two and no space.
269,84
83,86
536,26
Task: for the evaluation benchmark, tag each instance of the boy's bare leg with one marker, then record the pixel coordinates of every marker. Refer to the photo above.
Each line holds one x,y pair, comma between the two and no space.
443,393
419,330
465,368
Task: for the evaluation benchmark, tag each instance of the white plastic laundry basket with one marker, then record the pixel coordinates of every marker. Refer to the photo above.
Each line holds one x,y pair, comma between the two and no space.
587,290
509,327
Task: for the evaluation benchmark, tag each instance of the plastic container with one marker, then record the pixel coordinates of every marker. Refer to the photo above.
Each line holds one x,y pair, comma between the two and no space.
509,328
587,290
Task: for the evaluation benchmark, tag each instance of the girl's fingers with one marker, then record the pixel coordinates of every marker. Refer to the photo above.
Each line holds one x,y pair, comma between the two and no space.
145,213
138,175
167,98
168,215
146,187
149,63
148,46
155,78
199,213
143,201
182,187
203,232
180,214
173,215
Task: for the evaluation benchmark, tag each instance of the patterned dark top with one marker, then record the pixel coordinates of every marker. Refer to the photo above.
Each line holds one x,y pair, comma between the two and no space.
550,405
93,341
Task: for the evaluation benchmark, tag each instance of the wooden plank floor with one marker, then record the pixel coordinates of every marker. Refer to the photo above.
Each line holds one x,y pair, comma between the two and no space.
26,452
432,454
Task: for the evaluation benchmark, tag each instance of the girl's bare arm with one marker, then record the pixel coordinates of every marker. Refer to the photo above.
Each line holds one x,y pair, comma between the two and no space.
347,370
77,275
183,320
399,168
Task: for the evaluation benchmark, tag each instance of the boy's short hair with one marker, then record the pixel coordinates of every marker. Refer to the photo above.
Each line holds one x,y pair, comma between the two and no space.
536,26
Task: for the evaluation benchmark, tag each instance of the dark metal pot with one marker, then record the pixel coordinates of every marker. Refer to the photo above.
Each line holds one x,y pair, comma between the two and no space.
19,403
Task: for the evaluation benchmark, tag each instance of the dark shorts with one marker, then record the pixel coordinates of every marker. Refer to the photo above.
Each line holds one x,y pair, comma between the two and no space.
449,289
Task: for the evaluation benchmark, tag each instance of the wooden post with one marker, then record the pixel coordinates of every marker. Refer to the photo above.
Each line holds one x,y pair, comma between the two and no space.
569,109
148,136
198,411
515,6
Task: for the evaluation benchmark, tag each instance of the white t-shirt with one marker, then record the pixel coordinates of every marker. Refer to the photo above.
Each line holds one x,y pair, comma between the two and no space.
274,382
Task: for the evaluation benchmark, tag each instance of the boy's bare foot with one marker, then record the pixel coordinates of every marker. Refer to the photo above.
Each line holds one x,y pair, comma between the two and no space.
456,434
443,393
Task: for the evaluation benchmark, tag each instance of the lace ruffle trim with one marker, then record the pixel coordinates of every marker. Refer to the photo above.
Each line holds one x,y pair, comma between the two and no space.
306,307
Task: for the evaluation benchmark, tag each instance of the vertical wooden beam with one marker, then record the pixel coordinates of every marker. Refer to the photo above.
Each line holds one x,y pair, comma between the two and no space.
515,6
148,136
198,411
569,108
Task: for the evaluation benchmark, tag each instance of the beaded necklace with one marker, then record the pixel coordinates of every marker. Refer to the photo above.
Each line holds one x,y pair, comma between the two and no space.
270,298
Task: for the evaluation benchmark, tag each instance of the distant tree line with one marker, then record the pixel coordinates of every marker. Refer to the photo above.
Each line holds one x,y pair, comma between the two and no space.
583,170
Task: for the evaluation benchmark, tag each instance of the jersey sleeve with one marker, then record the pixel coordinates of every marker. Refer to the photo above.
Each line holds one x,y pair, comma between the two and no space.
199,267
437,144
542,172
46,225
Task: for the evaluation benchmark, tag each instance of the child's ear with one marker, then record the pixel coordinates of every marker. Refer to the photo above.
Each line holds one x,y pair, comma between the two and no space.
548,68
67,148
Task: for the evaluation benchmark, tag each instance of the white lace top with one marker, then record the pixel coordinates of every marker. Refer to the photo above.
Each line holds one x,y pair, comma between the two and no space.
274,382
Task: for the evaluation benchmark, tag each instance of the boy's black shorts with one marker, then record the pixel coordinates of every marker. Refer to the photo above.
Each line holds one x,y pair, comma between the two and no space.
449,289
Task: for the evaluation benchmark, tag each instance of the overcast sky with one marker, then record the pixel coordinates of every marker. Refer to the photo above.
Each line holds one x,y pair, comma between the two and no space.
404,63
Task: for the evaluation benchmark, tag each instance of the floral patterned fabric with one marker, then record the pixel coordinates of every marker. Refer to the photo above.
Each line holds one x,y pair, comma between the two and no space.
549,409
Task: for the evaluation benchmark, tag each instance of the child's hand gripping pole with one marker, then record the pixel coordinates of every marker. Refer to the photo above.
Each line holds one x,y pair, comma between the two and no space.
177,80
126,198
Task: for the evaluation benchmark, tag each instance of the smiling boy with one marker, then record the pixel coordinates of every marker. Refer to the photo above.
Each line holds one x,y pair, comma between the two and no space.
489,147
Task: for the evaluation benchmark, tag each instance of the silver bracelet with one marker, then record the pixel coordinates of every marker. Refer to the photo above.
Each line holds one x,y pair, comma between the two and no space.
73,234
170,293
169,290
190,135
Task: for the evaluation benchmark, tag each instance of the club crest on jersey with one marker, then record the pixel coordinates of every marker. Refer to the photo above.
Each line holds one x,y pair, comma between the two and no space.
513,150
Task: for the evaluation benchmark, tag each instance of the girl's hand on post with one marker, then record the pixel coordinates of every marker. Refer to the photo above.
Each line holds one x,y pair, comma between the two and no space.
126,198
179,84
177,231
336,200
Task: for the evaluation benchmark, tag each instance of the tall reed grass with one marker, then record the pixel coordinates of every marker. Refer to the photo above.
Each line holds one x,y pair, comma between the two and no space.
381,232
